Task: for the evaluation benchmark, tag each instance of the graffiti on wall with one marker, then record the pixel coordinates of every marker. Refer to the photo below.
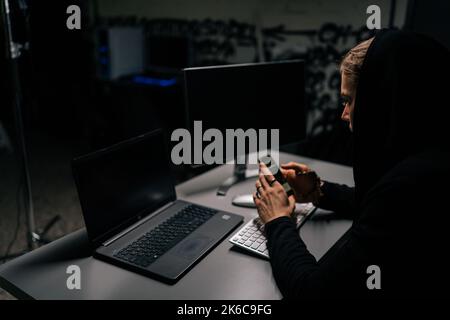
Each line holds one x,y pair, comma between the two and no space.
222,42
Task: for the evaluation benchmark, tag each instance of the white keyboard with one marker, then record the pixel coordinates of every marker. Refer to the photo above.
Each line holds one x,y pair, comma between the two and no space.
251,236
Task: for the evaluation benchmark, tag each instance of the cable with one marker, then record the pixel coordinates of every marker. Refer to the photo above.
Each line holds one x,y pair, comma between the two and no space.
19,215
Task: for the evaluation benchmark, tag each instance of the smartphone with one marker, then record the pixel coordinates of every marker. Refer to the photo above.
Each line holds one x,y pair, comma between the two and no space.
276,172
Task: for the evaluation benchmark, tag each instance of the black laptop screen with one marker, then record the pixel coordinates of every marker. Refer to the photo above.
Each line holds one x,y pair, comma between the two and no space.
119,184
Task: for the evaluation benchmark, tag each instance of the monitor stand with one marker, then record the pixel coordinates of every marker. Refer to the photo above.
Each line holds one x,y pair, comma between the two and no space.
238,176
240,173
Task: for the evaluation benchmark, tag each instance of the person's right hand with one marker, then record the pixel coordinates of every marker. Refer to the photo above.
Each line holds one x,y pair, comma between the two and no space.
302,185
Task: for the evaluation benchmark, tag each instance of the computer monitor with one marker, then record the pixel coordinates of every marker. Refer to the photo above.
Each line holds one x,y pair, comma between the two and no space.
255,95
429,17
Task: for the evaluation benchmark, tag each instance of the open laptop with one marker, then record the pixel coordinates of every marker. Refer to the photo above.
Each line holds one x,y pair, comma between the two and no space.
132,216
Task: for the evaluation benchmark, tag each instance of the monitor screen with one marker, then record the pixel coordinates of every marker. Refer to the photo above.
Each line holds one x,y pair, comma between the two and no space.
120,184
257,95
430,18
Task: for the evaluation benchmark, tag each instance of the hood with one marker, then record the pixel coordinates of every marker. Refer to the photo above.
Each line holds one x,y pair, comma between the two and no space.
400,105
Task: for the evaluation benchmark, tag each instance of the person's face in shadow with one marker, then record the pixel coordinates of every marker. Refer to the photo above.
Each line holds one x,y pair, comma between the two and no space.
348,99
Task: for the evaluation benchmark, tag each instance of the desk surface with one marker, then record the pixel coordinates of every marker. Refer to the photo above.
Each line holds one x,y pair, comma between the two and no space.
225,273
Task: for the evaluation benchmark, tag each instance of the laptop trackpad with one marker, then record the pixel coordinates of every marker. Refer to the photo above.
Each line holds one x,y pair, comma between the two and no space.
191,248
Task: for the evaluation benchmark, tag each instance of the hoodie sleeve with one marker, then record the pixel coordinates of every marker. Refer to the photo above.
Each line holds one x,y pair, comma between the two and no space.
381,235
299,276
338,198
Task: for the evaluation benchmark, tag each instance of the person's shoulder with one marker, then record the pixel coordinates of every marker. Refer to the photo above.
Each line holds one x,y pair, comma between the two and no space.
418,178
431,166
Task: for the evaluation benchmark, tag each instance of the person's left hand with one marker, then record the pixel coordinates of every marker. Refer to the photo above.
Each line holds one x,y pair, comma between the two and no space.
270,198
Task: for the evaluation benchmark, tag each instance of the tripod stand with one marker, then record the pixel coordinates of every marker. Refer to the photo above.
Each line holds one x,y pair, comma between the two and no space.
14,53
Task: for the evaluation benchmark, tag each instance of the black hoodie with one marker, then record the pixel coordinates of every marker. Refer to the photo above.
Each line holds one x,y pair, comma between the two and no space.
401,165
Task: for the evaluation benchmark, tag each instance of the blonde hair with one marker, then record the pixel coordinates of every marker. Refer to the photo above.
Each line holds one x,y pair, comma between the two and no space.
352,62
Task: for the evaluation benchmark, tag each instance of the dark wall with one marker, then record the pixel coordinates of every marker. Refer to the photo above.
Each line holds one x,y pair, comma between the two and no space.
61,66
430,17
5,89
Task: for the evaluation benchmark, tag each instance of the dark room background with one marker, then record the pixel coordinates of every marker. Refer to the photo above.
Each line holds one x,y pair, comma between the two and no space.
76,99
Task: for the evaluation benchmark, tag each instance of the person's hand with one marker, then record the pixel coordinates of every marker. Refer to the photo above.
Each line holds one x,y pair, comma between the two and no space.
270,198
302,181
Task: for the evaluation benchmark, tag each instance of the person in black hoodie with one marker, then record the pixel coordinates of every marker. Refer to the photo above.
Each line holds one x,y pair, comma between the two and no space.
396,99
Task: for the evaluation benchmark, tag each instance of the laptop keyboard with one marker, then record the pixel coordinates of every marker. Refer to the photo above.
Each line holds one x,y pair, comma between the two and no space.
152,245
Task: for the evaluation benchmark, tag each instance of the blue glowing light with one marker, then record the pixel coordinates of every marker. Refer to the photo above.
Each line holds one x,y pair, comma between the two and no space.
154,81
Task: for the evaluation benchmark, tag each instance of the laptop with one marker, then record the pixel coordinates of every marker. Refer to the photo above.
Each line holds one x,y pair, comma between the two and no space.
132,215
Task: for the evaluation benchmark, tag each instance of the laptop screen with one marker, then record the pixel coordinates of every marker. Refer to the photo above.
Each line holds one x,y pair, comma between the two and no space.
120,184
